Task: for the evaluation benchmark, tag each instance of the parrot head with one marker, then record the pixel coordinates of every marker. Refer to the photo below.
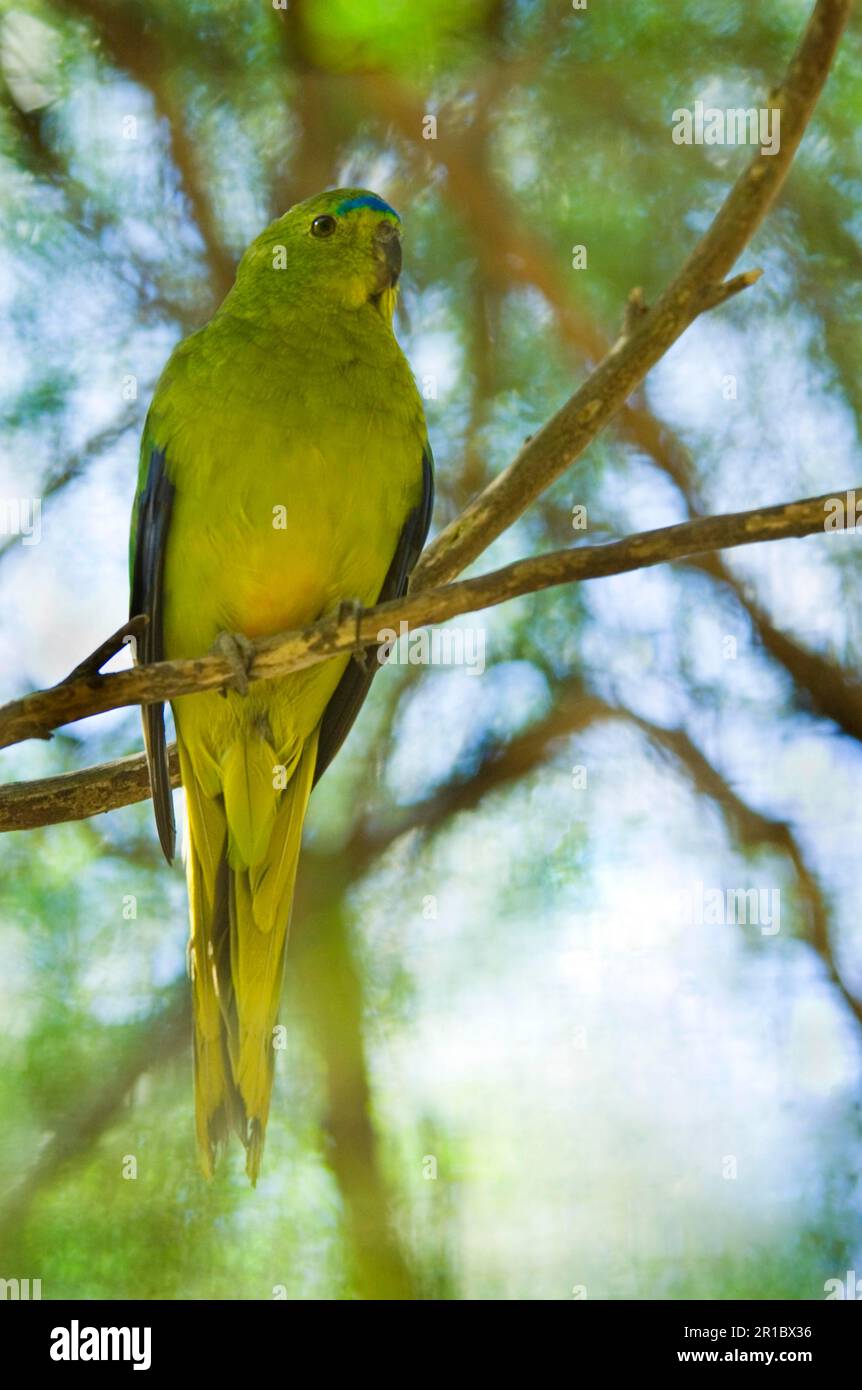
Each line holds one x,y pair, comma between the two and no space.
341,248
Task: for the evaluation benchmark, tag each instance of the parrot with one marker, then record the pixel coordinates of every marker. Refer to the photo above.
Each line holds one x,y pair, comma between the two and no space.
285,472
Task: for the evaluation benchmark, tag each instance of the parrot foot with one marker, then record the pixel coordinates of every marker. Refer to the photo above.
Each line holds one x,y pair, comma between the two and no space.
352,608
236,648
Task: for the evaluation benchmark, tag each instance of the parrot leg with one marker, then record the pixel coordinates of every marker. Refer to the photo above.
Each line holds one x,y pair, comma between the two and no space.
352,608
239,652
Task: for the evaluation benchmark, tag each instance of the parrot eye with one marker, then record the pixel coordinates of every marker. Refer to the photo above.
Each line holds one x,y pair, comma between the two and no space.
323,226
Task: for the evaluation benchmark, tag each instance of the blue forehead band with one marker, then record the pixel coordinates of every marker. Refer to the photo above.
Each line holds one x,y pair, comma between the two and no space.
366,200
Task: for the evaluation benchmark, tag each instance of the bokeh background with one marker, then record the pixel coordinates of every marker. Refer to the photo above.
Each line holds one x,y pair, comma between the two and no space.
517,1067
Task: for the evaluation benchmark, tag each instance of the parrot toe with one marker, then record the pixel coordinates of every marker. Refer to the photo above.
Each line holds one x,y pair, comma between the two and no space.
239,653
352,608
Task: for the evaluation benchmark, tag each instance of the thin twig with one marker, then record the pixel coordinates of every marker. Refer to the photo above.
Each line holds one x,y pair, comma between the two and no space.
93,663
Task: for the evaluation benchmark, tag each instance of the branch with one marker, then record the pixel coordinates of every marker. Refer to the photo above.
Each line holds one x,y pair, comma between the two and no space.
36,715
752,827
576,709
75,464
566,435
539,463
76,795
330,988
133,46
502,764
151,1042
351,1148
507,247
822,686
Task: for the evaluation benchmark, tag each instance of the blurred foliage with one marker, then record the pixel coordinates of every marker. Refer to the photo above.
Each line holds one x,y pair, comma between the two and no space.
512,1068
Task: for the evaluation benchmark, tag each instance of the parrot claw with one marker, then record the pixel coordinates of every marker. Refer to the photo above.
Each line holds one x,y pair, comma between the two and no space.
352,608
239,652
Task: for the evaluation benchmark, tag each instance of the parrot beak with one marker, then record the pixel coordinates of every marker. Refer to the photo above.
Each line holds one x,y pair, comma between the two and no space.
387,248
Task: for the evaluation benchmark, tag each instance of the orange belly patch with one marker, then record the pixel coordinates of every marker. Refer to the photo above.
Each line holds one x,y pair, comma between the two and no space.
260,608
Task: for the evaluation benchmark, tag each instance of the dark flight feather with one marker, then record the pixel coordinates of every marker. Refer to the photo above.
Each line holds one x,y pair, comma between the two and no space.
349,695
153,520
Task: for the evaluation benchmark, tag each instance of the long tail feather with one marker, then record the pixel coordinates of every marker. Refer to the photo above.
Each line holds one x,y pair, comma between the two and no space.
240,914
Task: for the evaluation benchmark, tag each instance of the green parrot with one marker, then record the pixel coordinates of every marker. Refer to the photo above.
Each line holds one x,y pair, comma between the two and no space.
285,471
